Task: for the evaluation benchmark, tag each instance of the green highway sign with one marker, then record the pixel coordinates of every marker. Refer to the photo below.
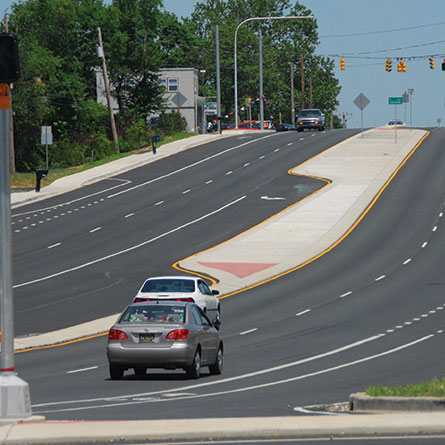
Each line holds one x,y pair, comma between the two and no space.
395,100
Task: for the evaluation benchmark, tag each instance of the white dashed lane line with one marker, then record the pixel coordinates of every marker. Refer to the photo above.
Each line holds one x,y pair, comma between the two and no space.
381,277
407,261
303,312
95,230
159,203
249,331
54,245
209,182
82,370
345,294
186,191
424,245
129,215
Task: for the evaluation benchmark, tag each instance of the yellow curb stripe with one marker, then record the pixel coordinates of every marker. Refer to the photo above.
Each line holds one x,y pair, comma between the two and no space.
36,348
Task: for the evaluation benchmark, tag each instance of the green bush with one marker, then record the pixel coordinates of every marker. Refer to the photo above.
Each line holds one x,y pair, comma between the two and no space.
169,123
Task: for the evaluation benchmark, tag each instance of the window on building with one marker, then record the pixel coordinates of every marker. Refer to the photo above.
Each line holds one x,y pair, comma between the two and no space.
172,84
163,83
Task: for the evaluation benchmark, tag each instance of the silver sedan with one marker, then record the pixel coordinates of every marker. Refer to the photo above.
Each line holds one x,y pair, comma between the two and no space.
165,335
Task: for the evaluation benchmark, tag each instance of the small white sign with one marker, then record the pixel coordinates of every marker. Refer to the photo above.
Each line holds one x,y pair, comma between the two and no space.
47,136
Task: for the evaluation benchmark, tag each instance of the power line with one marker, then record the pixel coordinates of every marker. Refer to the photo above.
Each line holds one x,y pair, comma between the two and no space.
381,32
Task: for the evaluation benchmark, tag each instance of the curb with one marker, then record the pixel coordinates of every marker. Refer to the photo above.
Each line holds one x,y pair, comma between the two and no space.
361,402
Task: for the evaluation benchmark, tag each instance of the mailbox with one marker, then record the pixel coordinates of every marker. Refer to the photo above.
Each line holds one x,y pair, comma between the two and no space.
40,173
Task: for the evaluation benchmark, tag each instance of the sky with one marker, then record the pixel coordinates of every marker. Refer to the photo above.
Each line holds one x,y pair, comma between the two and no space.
365,33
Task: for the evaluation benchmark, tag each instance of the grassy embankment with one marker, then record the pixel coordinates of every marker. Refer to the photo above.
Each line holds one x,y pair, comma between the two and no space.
25,180
435,388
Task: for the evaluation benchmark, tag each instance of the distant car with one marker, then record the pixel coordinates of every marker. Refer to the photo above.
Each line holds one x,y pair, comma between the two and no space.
310,118
249,126
284,127
181,288
165,335
395,122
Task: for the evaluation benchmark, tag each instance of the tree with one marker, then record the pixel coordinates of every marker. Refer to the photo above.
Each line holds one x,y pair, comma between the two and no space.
284,42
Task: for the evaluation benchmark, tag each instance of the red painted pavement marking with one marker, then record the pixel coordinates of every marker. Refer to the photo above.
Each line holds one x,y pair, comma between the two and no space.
241,270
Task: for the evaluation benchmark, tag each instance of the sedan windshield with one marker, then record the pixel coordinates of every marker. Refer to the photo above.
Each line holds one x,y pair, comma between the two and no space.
309,113
169,285
154,314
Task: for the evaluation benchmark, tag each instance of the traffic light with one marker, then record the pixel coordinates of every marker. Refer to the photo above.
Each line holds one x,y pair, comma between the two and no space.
9,58
388,65
432,62
342,63
401,67
443,65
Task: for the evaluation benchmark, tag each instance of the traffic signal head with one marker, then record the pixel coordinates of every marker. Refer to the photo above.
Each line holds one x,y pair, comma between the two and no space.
443,65
342,63
432,62
403,66
399,67
388,65
9,58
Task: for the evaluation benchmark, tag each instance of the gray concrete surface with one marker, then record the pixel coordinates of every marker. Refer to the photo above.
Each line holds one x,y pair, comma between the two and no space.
360,402
60,432
358,169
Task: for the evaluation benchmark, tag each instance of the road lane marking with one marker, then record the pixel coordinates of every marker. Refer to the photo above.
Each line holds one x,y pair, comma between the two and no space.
187,167
381,277
345,294
82,370
119,400
136,246
54,245
249,331
159,203
303,312
434,228
129,215
95,230
424,244
407,261
209,182
186,191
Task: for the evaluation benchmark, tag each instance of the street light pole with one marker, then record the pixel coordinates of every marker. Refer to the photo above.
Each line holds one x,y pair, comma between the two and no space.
14,392
235,75
292,103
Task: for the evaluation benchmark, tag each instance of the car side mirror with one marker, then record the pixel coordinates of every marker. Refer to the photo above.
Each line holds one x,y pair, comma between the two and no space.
216,323
215,292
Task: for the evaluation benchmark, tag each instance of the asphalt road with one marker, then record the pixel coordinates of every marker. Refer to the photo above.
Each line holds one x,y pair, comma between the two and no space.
368,312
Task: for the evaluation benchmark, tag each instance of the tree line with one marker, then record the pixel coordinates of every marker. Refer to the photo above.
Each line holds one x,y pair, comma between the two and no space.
58,41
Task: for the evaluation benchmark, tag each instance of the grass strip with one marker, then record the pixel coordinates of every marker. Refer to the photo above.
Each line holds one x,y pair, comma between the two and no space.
434,388
28,180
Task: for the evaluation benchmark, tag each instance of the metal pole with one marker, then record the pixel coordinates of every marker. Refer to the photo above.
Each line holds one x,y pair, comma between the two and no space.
395,126
303,105
14,392
107,91
292,102
235,74
218,82
260,40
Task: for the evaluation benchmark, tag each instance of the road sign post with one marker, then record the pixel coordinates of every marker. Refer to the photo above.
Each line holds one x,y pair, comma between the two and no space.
361,101
395,101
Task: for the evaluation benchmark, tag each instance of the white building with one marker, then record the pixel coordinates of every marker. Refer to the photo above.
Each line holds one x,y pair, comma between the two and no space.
181,94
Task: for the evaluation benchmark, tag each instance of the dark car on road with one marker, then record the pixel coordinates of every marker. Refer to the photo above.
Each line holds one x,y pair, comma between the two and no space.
167,335
284,127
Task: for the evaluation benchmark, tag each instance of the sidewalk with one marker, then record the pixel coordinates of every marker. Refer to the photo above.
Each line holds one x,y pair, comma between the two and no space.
87,432
358,168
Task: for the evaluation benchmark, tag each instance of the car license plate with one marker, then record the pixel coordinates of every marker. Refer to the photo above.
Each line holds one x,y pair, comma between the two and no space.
146,338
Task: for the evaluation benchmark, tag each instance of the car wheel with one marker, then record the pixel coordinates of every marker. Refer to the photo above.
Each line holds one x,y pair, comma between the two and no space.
140,371
216,368
194,371
116,372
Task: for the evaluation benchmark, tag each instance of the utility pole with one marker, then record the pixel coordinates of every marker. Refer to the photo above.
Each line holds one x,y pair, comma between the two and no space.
101,54
218,83
303,105
11,122
260,41
292,103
